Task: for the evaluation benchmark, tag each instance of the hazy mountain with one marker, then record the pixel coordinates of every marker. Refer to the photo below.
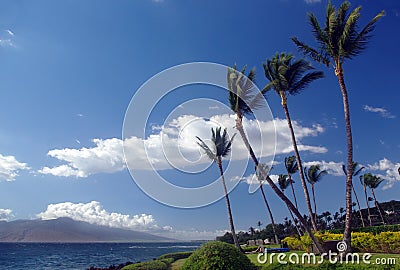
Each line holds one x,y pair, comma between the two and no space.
69,230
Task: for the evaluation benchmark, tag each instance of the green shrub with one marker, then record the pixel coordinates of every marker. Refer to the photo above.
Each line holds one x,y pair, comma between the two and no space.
151,265
371,229
176,256
218,255
249,248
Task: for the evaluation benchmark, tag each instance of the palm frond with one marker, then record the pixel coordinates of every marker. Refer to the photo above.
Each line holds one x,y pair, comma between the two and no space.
318,56
210,154
305,81
364,35
291,165
242,90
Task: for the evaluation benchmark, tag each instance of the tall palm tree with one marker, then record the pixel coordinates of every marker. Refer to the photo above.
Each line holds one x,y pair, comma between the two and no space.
236,87
241,88
284,182
221,148
292,168
355,173
288,77
364,184
261,177
314,175
338,40
373,181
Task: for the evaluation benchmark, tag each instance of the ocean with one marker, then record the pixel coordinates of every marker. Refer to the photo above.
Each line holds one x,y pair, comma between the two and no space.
71,256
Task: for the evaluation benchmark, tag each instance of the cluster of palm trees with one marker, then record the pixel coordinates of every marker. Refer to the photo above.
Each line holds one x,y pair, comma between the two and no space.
338,40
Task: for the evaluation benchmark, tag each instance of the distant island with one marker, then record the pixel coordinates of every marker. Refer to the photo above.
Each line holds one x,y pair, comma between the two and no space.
67,230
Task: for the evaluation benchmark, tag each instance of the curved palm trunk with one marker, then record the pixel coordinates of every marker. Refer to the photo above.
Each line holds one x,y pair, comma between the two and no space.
349,138
377,206
300,167
279,192
239,127
369,211
294,194
228,205
359,207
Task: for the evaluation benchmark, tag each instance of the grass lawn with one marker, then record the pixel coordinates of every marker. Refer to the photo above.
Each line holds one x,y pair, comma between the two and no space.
177,264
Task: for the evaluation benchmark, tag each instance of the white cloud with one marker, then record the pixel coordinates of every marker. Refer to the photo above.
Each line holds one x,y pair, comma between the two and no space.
105,157
388,171
252,179
94,213
175,143
6,39
381,111
6,214
312,1
9,167
333,168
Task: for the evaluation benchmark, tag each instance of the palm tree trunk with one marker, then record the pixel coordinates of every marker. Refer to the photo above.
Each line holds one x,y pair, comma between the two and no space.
366,200
294,223
359,207
228,205
294,194
239,127
270,215
349,138
377,206
315,204
300,167
278,191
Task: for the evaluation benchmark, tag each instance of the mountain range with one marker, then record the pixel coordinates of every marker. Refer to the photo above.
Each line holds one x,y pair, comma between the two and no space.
69,230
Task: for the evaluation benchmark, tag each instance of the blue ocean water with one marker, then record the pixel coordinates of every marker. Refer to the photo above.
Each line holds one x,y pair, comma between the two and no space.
22,256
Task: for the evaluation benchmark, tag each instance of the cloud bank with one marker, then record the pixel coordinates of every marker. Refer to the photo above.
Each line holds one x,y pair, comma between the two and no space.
94,213
6,214
174,143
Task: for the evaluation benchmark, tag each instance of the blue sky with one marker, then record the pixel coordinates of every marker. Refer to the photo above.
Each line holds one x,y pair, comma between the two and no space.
68,71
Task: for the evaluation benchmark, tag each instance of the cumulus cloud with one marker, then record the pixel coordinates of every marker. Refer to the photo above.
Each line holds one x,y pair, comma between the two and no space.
6,214
333,168
105,157
387,170
9,167
94,213
174,143
381,111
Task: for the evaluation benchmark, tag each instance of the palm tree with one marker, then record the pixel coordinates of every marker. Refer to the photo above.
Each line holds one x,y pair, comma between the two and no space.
237,86
290,78
314,175
284,182
241,89
292,168
259,225
355,173
252,231
221,148
364,184
373,181
338,40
